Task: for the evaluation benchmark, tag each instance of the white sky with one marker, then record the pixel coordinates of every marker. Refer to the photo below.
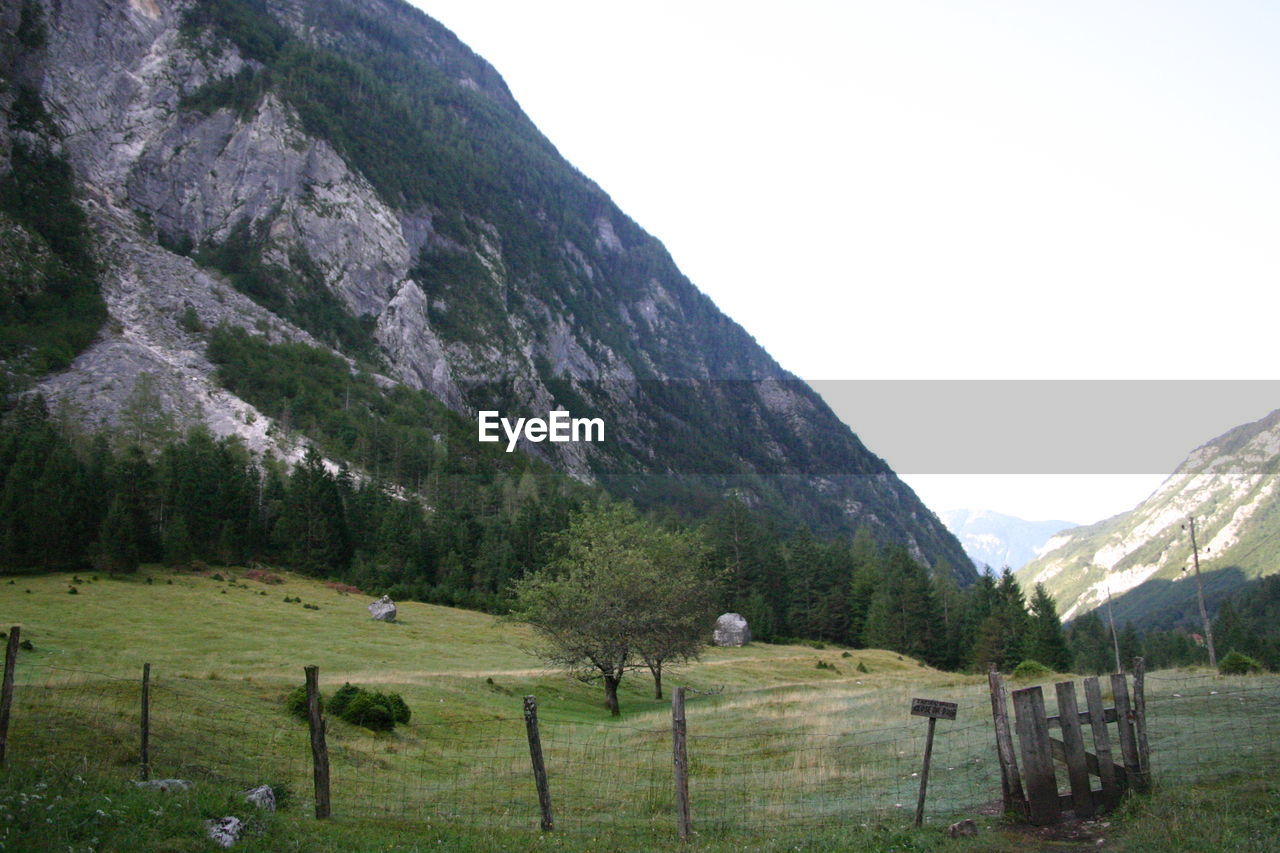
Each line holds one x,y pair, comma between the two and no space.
937,190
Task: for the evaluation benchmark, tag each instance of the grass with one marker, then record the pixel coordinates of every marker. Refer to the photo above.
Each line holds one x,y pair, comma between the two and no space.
783,754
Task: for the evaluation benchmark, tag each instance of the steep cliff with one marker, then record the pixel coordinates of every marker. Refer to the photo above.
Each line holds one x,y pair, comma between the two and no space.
346,174
1229,486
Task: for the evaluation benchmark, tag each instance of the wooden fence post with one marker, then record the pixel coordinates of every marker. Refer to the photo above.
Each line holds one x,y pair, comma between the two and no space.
535,755
145,747
1140,720
1073,747
1010,778
1101,742
6,692
924,771
1124,723
319,750
1037,756
680,756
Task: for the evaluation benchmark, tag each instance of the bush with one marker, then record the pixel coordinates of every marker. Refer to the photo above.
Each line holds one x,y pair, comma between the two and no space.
1238,664
399,710
1029,669
371,711
342,698
296,702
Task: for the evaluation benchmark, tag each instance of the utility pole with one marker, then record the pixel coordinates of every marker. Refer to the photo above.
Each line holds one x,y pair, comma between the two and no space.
1204,614
1115,641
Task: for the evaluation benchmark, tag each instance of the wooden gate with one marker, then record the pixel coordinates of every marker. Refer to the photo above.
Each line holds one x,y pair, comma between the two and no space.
1042,802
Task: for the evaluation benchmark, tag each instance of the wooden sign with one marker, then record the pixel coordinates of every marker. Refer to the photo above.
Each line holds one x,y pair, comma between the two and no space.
935,708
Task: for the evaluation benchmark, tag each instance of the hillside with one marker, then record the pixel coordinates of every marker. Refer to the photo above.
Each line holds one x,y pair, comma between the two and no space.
1228,484
347,176
998,540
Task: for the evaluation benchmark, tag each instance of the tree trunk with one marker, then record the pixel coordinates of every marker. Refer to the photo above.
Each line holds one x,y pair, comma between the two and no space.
656,669
611,695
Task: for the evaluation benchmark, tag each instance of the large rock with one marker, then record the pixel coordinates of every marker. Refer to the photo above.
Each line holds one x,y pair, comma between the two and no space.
731,630
384,609
262,796
224,831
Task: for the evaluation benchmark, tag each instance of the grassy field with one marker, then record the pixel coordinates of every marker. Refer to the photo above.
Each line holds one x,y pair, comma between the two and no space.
784,753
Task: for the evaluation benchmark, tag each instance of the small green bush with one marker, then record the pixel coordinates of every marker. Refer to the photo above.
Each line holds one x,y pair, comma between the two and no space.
296,702
342,698
1238,664
370,711
1029,669
862,667
399,710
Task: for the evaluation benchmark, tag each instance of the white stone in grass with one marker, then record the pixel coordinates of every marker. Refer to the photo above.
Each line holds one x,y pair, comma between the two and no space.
262,797
167,784
731,630
224,831
384,609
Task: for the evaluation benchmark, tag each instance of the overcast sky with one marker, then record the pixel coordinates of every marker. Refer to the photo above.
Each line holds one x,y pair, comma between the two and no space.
939,190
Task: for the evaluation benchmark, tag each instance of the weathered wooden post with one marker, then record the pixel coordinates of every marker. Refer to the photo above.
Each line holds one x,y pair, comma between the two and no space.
1124,724
319,749
535,755
144,750
1101,742
1140,721
680,757
1073,747
6,692
1010,779
1037,756
933,709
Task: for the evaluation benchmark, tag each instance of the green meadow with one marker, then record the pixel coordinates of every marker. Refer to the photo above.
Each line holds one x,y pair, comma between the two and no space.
789,746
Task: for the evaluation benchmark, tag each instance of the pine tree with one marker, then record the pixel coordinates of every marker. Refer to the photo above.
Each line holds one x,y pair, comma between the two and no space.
1046,641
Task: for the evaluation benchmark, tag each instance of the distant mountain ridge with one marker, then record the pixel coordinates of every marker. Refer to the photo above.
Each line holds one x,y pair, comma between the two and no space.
1229,485
997,540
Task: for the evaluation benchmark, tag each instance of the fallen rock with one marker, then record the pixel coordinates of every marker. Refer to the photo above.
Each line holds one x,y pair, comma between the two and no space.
384,609
731,630
962,828
224,831
262,797
167,784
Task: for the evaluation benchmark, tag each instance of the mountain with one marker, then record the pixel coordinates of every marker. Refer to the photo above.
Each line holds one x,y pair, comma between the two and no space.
272,183
1229,485
997,540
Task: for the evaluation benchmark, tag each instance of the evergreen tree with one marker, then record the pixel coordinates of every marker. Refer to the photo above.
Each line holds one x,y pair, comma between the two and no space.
1045,640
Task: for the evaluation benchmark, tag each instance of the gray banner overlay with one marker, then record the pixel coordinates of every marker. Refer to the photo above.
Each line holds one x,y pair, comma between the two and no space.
1043,427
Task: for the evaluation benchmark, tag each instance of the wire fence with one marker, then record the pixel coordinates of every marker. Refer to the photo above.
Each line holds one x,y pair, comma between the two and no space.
782,767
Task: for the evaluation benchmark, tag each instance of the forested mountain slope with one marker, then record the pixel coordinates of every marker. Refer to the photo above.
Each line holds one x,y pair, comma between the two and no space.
263,179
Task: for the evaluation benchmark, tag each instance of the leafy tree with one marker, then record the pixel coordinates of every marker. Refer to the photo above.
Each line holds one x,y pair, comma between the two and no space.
606,602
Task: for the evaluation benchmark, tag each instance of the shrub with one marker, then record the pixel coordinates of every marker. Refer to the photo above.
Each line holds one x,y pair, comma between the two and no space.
369,711
296,702
1238,664
342,698
399,710
862,667
1029,669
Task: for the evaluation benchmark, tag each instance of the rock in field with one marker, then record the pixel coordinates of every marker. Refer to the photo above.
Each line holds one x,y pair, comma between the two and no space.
731,630
262,797
224,831
384,609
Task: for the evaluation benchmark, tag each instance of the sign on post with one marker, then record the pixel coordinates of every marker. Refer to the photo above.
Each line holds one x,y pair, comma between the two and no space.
934,709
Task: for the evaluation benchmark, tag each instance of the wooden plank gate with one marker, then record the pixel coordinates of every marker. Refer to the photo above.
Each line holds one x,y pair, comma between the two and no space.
1043,803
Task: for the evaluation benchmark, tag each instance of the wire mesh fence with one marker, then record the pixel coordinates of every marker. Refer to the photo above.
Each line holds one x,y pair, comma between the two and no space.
756,763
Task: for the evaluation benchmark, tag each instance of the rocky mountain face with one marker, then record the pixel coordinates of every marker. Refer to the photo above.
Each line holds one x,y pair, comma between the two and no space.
346,174
1141,557
998,540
